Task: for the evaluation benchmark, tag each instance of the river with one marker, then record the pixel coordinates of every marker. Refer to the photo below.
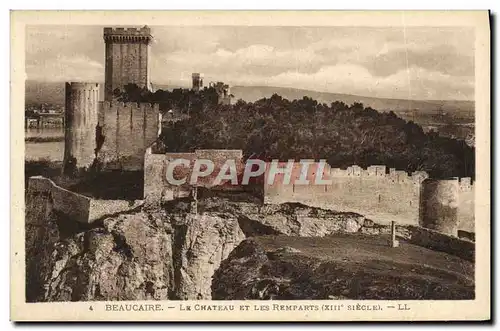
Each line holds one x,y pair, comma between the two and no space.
52,151
43,132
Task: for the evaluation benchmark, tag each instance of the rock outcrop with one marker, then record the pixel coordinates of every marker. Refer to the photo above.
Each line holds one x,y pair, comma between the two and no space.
291,219
137,256
128,258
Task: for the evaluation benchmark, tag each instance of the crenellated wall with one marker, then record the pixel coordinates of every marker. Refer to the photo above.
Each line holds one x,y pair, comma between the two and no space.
127,130
381,195
75,206
71,204
378,193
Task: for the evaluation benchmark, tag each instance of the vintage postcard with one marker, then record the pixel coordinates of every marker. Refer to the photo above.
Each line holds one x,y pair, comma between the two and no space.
250,166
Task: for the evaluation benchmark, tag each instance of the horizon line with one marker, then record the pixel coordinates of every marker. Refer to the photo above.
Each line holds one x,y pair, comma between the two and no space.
270,86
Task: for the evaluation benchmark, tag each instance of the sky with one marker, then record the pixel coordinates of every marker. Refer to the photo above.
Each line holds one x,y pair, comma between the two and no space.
425,63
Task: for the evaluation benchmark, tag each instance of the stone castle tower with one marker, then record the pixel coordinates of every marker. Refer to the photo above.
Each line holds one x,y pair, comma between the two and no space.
127,58
113,133
80,118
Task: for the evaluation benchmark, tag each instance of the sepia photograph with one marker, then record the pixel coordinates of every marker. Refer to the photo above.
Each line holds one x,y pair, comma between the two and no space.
302,168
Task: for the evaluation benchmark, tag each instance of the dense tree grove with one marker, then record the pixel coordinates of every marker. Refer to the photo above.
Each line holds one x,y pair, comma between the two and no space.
184,100
276,128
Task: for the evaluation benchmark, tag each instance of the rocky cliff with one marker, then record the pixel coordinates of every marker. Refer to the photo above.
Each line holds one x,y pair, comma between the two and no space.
169,253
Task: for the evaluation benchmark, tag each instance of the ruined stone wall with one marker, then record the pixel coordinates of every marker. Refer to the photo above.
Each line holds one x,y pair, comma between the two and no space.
440,205
127,130
73,205
127,58
80,118
443,205
77,207
380,196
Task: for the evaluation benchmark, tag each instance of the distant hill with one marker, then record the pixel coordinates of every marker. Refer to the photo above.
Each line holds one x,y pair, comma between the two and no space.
39,92
253,93
53,92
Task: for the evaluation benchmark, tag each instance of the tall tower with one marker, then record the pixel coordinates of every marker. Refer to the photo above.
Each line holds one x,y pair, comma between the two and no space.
80,121
197,81
127,58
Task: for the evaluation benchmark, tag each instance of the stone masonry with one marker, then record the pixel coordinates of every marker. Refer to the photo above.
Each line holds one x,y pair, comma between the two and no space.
80,124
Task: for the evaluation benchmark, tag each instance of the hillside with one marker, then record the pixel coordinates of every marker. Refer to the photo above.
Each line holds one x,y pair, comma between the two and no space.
53,92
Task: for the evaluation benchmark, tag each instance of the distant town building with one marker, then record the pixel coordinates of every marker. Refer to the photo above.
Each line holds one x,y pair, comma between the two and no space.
173,115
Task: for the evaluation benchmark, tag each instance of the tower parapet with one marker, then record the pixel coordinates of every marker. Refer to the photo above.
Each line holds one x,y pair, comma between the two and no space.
81,112
126,35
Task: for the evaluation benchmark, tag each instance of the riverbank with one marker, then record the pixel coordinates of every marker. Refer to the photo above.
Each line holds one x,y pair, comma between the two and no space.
44,139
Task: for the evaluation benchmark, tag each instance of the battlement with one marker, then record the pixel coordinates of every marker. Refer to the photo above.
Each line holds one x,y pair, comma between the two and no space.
84,86
380,171
145,31
372,173
219,154
127,35
378,193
